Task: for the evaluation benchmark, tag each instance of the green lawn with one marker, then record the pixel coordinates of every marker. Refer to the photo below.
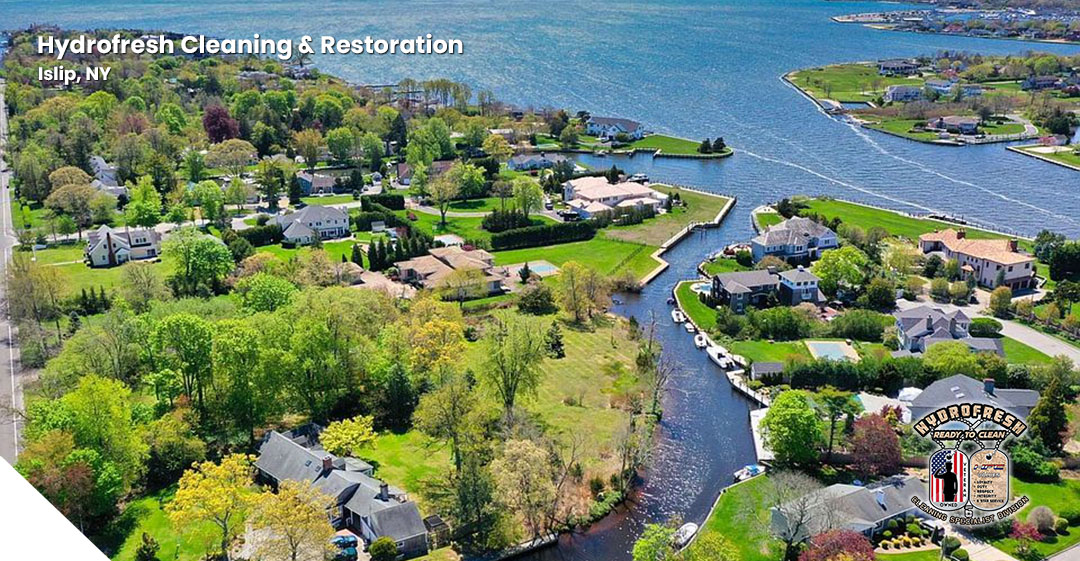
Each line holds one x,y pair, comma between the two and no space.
605,255
765,219
672,145
336,249
703,316
1066,157
408,461
764,351
147,515
327,200
1057,496
63,253
1007,127
655,231
28,216
903,127
730,520
848,82
486,204
924,555
721,265
1019,353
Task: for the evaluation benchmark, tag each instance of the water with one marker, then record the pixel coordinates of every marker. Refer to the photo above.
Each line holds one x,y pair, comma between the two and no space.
689,68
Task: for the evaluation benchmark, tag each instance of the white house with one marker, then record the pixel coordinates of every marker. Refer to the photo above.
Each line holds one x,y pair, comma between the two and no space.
586,192
312,222
608,127
107,247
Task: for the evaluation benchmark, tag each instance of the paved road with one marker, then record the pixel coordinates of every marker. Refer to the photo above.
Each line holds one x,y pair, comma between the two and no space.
10,387
1026,335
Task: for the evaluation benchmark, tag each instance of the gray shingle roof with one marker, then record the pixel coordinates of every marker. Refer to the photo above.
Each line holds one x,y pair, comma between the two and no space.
948,391
310,213
799,275
744,281
766,368
791,230
625,124
859,508
399,522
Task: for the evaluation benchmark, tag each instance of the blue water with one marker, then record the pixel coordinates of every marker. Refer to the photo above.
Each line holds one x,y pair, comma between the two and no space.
691,68
827,349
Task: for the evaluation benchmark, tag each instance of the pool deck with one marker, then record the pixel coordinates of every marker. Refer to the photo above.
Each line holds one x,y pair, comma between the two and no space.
848,351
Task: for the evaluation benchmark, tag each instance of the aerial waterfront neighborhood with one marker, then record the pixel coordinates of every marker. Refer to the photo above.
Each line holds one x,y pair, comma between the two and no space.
262,311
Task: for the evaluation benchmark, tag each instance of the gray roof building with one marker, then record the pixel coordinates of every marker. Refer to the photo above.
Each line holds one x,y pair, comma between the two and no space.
862,509
743,288
794,238
759,370
961,388
921,327
312,221
535,161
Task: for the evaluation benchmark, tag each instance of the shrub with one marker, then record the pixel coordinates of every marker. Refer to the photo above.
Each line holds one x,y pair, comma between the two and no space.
1043,518
503,220
950,544
860,325
914,529
261,235
596,485
537,299
960,554
985,327
1031,465
884,545
887,534
744,258
547,234
1061,525
1071,515
916,541
391,201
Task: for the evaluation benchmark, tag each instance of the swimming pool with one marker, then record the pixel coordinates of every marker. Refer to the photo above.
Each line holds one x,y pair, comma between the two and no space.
832,350
541,268
702,287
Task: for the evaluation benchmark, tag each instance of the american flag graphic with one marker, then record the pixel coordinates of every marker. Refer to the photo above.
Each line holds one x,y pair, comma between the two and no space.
947,477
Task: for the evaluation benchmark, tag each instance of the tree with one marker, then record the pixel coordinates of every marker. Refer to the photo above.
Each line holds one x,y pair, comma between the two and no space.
949,358
525,484
464,284
201,260
308,144
348,437
232,155
68,175
444,414
49,463
581,291
237,193
263,292
515,347
705,147
340,142
1000,301
791,495
711,546
496,146
214,493
826,546
527,195
876,446
790,429
31,170
296,523
568,137
836,404
219,126
101,418
383,549
211,201
182,342
469,178
195,165
372,147
144,207
148,549
655,543
274,177
443,191
1048,420
73,200
537,299
845,266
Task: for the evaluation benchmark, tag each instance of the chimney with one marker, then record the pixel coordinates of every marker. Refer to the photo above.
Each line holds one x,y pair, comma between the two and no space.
1012,245
929,322
961,234
880,496
988,386
327,463
770,269
384,491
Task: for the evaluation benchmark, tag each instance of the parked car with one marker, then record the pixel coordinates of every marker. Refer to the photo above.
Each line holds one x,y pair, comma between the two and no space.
347,554
345,542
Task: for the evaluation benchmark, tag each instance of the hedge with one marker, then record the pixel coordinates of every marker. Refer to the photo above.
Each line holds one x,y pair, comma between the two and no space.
543,235
389,200
262,235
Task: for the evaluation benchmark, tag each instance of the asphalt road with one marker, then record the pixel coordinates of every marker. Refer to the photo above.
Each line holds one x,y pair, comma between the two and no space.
10,388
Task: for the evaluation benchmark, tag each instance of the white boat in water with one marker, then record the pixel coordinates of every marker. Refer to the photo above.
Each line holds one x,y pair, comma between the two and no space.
684,534
690,327
717,356
677,316
749,471
701,341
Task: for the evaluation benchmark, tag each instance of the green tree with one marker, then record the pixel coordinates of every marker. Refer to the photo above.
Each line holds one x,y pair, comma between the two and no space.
372,148
790,429
232,155
655,543
528,196
296,522
340,142
144,208
469,179
264,292
195,165
1049,421
182,342
383,549
308,144
836,404
515,347
845,266
349,437
443,191
244,397
1001,301
102,419
525,482
201,260
211,201
496,146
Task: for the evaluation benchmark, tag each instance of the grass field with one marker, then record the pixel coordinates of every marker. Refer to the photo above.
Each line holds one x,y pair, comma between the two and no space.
765,219
672,145
605,255
655,231
396,458
486,204
327,200
703,316
148,515
336,249
1019,353
1067,157
903,127
1057,496
742,516
721,265
847,82
62,253
764,351
924,555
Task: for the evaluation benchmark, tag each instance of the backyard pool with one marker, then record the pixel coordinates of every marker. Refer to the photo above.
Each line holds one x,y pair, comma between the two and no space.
832,350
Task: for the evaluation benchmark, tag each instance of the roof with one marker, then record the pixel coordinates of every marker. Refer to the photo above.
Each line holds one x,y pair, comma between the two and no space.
799,275
317,180
795,229
913,321
308,215
597,187
284,459
766,368
297,229
123,237
745,281
399,522
997,250
624,124
861,508
405,170
948,391
541,158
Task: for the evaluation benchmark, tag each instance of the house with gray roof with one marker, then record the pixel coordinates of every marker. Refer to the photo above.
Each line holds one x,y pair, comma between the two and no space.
766,370
529,162
312,222
363,504
961,388
742,289
795,239
921,327
608,127
866,510
799,285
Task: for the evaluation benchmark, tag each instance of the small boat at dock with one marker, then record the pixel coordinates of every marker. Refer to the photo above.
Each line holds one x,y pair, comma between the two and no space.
749,471
690,327
677,316
701,341
719,357
684,534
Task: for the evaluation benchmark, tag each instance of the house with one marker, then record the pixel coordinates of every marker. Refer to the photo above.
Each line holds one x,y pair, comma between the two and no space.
607,127
795,239
529,162
961,388
315,184
954,124
434,269
766,370
741,289
590,195
103,171
437,168
866,510
897,67
902,94
921,327
509,134
1040,83
312,222
945,87
987,261
799,285
362,504
107,247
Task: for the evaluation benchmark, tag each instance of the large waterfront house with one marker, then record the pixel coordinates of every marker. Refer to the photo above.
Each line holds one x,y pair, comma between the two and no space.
897,67
954,124
434,270
107,247
1040,83
799,285
437,168
921,327
864,509
945,87
311,223
608,127
590,195
902,94
961,388
529,162
741,289
362,504
795,239
990,262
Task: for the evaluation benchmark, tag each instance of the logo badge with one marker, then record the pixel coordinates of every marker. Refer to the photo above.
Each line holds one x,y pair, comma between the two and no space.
989,479
948,479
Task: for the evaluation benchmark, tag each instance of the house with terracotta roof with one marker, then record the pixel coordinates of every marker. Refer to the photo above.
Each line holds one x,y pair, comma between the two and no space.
590,195
433,270
987,261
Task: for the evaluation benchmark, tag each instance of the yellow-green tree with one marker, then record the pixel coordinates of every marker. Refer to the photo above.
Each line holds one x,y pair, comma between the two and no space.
348,437
296,522
216,493
497,147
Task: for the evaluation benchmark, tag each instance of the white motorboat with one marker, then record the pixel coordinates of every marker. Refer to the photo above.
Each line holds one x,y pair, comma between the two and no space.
684,534
749,471
718,357
690,327
701,341
677,316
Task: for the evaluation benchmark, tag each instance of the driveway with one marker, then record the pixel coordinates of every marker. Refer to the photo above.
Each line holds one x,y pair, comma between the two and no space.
10,384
